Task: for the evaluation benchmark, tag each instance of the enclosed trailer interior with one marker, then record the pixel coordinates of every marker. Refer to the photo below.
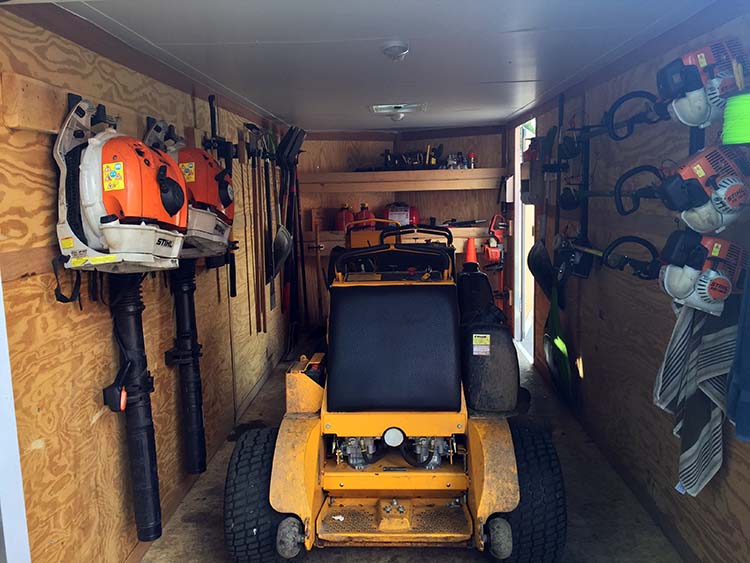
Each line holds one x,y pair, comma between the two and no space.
372,171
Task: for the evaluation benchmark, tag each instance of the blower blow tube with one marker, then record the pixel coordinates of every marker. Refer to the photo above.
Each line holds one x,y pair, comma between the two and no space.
130,393
186,355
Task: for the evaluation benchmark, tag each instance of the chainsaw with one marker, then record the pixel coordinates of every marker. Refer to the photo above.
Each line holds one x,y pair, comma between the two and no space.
702,271
121,204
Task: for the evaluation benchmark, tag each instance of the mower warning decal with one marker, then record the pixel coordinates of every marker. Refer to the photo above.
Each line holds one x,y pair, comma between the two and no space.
67,243
188,170
481,344
113,176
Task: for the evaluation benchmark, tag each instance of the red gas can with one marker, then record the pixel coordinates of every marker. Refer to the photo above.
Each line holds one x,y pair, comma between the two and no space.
343,217
365,213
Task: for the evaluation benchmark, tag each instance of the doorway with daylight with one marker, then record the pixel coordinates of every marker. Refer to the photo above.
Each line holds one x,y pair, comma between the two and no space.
523,215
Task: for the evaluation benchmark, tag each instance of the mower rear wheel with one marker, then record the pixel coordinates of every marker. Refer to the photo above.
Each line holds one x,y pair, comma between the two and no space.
250,523
539,522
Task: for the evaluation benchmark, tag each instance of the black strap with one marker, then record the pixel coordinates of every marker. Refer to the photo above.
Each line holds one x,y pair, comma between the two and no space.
75,293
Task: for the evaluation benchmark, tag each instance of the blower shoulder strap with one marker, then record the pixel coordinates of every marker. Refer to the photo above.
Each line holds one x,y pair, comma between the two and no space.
75,293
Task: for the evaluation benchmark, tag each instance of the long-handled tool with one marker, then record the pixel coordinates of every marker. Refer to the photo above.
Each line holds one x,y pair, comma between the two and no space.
287,156
282,241
252,149
320,277
269,237
243,158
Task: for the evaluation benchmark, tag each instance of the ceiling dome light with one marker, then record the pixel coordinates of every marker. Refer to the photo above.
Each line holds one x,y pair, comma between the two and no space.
396,50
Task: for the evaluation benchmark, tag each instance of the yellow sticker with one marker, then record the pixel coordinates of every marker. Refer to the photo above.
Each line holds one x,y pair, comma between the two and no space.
481,344
188,170
76,262
480,339
67,243
702,60
716,249
104,259
698,169
113,176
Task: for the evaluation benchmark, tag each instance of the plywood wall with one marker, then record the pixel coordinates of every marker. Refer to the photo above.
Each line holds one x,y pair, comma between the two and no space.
73,455
619,327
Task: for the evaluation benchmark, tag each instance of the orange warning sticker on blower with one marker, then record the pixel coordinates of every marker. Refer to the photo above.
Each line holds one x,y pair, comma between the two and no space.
113,176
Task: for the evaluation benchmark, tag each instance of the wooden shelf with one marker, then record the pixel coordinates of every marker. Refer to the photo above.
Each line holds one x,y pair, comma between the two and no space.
401,181
329,239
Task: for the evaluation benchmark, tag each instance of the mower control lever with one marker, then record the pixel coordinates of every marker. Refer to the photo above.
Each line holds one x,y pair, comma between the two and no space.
411,229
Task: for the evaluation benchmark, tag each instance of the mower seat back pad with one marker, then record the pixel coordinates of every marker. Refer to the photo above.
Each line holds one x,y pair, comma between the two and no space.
394,348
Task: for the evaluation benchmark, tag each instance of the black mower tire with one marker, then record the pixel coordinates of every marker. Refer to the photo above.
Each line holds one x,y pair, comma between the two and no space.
250,522
539,522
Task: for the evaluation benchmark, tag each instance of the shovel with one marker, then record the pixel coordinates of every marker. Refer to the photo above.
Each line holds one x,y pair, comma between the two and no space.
283,241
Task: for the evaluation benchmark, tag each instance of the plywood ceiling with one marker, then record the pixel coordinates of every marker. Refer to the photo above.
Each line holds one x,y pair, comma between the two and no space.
318,63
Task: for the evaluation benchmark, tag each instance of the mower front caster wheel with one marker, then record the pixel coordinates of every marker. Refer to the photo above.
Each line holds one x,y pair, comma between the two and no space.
251,525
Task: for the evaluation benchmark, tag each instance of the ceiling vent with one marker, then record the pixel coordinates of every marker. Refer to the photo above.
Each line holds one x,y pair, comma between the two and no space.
391,109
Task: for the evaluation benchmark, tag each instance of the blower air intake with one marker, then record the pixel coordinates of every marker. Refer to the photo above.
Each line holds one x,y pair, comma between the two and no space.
699,82
702,271
121,204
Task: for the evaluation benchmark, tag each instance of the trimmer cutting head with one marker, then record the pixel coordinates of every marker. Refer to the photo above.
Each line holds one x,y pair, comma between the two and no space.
121,205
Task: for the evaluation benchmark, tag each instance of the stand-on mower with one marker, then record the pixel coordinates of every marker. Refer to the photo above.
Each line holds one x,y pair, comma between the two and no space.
388,439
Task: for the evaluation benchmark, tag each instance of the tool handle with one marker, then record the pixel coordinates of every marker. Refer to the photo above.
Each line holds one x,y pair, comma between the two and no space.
655,114
212,113
635,196
424,229
643,269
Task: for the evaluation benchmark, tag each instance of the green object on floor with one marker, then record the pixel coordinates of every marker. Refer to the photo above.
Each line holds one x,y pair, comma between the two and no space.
556,352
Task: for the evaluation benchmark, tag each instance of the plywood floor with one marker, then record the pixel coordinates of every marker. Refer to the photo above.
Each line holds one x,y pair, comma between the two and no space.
605,521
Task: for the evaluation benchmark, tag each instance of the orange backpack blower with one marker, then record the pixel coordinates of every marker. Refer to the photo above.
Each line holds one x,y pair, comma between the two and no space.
121,205
209,192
